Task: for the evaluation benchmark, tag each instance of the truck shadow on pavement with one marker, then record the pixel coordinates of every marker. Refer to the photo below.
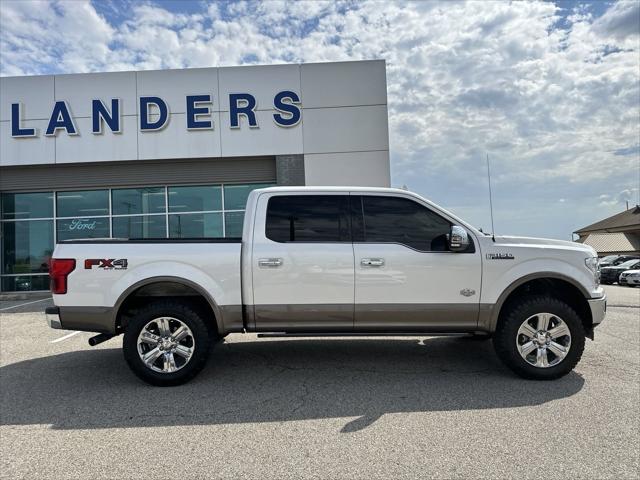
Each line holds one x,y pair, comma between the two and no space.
273,381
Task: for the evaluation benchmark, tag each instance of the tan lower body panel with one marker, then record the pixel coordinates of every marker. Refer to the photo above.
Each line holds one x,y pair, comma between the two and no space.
365,317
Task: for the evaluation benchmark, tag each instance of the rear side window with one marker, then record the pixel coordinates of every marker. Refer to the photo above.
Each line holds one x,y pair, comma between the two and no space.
400,220
308,218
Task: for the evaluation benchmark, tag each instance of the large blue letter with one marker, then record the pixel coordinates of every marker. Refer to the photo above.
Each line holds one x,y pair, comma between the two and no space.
145,124
194,111
99,112
291,108
60,118
16,131
236,110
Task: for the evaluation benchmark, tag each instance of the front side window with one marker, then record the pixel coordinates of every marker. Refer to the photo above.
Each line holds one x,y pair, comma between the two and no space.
308,218
403,221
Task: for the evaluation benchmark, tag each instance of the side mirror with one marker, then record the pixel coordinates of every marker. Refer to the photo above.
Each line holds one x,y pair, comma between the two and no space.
458,239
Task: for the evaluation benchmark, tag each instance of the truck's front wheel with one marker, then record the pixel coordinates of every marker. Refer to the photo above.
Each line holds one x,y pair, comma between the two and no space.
166,343
540,338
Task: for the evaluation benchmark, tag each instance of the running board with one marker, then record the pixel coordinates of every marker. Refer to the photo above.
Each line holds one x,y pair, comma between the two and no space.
363,334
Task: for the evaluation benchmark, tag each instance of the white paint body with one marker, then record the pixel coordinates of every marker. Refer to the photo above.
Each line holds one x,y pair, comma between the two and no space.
318,273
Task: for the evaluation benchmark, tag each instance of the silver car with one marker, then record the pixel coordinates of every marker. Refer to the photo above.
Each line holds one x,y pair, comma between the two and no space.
630,278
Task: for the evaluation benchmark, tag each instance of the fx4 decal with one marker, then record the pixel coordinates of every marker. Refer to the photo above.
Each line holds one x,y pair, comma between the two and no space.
106,263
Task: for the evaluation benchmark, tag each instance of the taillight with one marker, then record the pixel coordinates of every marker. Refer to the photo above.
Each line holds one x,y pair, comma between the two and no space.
59,269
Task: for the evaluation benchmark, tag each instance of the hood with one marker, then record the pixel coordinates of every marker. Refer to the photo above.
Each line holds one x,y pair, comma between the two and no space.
510,240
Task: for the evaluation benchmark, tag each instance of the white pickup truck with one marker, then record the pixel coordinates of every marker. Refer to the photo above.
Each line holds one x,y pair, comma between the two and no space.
331,261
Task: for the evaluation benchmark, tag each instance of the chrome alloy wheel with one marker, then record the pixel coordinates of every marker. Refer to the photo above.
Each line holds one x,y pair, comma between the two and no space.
543,340
166,344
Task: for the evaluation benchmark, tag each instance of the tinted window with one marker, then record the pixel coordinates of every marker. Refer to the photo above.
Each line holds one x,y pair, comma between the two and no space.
233,224
195,225
87,227
308,218
195,199
399,220
27,246
88,203
235,196
129,201
27,205
139,226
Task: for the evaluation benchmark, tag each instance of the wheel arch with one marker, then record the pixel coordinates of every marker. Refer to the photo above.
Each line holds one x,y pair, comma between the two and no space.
119,308
556,284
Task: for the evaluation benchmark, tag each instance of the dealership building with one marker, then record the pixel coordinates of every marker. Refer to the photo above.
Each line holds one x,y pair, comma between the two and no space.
174,153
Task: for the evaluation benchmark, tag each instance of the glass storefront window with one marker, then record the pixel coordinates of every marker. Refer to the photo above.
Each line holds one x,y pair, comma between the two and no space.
195,225
17,206
143,226
233,224
25,283
30,225
96,227
235,196
195,199
27,246
88,203
129,201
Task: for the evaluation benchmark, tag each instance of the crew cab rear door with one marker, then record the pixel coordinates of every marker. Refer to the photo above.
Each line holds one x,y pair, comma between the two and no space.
302,262
406,277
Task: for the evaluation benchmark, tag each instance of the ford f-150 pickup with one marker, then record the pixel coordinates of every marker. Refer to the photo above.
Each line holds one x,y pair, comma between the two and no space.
331,261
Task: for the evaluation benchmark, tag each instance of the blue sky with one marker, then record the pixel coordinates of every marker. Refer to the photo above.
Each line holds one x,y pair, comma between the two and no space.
550,90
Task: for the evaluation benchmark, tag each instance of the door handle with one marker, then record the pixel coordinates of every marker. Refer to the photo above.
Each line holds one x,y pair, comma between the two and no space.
372,262
270,262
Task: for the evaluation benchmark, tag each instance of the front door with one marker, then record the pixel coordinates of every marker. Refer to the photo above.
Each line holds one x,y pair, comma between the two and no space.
406,277
302,263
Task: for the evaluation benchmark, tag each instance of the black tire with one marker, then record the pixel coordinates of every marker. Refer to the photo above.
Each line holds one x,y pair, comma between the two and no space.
183,312
505,337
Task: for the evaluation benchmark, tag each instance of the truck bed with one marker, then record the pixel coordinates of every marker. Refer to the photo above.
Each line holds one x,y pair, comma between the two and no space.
107,268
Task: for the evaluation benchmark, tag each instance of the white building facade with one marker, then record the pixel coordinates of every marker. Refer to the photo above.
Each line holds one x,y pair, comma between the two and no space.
174,153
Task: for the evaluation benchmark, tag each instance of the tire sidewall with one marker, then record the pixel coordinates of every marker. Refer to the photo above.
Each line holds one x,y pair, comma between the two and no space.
507,332
182,312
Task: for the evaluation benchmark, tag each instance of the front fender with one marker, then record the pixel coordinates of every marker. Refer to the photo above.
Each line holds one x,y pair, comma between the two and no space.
500,283
497,281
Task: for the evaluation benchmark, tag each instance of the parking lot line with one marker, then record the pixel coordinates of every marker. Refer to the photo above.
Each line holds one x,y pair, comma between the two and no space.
23,304
65,337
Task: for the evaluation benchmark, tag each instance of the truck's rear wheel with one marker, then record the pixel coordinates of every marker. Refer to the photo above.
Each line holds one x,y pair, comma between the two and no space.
540,338
166,343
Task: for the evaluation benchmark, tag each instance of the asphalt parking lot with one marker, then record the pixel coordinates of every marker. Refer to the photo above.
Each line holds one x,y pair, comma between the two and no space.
318,408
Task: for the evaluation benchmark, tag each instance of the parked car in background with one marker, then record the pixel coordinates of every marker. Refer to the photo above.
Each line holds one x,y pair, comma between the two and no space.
610,275
614,260
630,278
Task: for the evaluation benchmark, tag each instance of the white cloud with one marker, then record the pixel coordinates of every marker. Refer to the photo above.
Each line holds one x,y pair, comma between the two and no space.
553,100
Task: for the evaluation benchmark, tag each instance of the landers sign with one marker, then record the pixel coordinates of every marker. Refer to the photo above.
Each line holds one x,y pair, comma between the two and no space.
154,114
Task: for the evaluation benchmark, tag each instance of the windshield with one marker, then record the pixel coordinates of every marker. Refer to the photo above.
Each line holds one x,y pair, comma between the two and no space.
629,264
608,258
